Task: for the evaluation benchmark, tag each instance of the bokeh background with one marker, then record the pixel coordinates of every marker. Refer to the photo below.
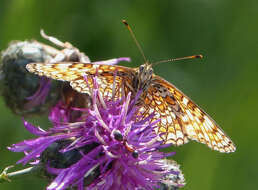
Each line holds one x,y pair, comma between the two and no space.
224,83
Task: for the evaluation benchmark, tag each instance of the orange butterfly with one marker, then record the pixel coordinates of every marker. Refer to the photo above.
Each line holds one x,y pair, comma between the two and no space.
181,119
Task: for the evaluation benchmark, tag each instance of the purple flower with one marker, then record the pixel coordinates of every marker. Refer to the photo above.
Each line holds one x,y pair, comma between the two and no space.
107,146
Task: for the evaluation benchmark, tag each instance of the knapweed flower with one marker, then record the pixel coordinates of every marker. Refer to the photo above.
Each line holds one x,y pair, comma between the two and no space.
109,145
18,86
25,93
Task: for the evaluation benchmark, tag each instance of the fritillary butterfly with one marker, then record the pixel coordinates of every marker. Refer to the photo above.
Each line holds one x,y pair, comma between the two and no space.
181,119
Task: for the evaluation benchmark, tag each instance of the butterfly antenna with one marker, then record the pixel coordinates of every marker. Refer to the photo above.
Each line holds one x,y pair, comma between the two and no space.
135,40
177,59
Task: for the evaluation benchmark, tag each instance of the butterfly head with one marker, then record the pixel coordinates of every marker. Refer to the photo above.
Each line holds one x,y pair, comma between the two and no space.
145,71
143,77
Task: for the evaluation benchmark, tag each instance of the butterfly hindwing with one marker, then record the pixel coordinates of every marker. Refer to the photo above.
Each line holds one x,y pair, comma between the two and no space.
194,123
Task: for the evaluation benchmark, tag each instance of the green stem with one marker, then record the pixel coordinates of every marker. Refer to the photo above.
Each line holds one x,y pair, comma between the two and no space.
4,176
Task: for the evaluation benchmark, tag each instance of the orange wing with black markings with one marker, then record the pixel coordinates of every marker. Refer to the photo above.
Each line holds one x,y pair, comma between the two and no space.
181,119
80,75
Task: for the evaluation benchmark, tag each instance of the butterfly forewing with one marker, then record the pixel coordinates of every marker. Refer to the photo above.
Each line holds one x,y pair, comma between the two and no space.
80,75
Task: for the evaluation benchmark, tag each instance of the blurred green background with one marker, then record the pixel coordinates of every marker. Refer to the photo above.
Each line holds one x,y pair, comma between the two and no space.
224,83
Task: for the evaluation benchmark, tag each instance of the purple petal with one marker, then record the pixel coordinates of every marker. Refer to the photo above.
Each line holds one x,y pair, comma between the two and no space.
112,61
75,173
34,130
40,95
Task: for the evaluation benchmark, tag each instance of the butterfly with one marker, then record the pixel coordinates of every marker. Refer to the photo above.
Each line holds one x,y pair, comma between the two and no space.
181,119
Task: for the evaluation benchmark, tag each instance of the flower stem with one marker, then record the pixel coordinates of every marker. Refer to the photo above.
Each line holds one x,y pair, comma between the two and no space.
4,176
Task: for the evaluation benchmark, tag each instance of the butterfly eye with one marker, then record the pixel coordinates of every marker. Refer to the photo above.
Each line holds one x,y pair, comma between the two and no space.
141,68
150,72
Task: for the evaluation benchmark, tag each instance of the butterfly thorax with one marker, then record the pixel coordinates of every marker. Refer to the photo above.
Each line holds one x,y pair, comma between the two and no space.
142,78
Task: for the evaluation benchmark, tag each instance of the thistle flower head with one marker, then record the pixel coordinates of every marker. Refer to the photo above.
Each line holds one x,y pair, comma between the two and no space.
107,146
23,92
